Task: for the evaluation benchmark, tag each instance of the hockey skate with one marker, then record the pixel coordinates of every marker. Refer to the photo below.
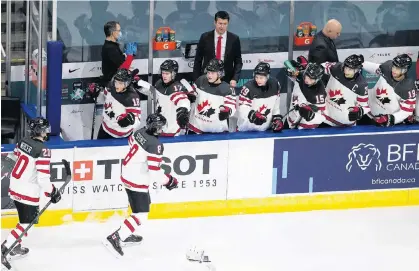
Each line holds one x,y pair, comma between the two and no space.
113,244
132,240
17,252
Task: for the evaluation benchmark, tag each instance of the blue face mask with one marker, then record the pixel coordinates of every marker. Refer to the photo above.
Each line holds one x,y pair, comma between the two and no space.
121,36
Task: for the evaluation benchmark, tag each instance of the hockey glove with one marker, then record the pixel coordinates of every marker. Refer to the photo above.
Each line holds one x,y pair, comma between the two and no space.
94,90
355,113
384,120
306,112
55,195
182,117
412,119
256,117
131,49
191,97
172,183
224,113
126,120
277,123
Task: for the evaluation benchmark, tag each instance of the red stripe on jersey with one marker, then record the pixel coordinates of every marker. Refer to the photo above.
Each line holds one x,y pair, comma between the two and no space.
193,128
406,109
136,220
133,110
181,98
153,168
154,159
129,226
242,98
362,100
42,162
409,101
114,132
230,98
13,193
176,95
15,235
133,185
228,102
46,171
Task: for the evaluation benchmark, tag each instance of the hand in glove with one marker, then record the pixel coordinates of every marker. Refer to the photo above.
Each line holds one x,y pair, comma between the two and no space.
277,123
182,117
306,111
191,97
355,113
224,113
384,120
256,117
131,48
94,90
126,120
55,195
172,183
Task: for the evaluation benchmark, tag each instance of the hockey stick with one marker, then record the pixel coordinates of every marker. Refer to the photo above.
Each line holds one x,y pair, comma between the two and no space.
190,89
97,92
61,191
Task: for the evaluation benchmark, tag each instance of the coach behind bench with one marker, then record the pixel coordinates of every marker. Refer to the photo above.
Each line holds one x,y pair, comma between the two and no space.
112,56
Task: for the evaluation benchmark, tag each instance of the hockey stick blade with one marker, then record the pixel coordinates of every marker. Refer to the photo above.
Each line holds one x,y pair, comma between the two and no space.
61,190
187,85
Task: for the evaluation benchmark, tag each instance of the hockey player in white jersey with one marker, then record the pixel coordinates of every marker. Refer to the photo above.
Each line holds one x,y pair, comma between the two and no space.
393,98
172,99
121,112
259,102
215,101
347,92
308,98
30,175
140,168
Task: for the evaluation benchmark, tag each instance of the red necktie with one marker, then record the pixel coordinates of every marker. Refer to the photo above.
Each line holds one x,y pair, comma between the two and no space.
218,52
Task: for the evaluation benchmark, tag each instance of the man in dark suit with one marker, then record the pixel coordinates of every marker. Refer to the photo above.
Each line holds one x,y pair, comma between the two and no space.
323,48
220,44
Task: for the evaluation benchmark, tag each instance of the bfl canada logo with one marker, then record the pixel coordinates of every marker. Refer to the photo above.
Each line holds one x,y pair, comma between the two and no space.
364,155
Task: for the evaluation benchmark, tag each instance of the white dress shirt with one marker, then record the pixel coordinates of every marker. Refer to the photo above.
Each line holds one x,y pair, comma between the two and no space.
223,43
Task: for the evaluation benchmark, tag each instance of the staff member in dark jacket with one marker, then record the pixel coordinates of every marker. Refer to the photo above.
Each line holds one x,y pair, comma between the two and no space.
220,44
323,48
112,56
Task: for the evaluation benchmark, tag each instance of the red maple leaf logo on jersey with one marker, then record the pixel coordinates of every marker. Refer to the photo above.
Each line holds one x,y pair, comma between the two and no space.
262,108
336,96
107,105
382,95
205,109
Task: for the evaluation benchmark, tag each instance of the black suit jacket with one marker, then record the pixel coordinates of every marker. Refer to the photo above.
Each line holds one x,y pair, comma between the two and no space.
232,57
322,50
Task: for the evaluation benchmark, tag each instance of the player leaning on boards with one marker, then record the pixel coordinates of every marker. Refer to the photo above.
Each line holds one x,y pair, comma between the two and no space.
121,112
140,167
347,92
172,98
29,165
308,96
393,98
259,102
214,101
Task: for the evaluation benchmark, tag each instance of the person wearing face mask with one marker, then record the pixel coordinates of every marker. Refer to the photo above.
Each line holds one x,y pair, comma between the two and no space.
214,101
112,56
259,102
308,97
393,98
121,112
347,92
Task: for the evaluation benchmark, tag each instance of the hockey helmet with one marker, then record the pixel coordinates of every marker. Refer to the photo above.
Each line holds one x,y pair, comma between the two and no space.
122,79
403,61
215,65
262,68
38,127
155,123
314,71
170,66
354,61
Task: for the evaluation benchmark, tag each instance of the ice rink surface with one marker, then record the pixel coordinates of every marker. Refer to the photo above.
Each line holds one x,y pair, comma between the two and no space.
376,239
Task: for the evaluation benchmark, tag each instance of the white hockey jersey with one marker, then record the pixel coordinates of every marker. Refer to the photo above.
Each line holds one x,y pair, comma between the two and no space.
303,94
263,100
204,112
31,173
141,166
343,93
389,96
169,99
116,107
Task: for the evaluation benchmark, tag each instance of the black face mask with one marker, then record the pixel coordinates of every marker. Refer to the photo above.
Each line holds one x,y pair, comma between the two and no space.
46,138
